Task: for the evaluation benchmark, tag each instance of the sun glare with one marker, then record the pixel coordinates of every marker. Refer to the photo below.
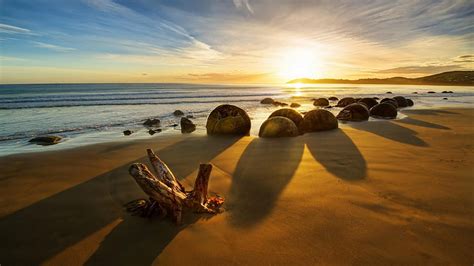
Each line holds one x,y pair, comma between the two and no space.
299,63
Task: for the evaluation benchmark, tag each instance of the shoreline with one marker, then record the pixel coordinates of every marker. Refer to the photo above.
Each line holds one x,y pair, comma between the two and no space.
371,193
200,131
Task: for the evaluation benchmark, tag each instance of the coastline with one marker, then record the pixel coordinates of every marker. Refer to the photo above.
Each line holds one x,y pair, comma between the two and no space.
370,193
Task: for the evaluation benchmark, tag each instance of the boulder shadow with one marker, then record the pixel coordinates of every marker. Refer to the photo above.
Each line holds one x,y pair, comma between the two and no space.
428,112
262,173
391,131
42,230
139,241
421,123
343,160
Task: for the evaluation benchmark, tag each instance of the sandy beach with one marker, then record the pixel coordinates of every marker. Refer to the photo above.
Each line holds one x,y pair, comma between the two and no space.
383,192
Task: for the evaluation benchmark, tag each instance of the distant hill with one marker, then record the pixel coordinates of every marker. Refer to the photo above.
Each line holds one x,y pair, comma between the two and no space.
454,78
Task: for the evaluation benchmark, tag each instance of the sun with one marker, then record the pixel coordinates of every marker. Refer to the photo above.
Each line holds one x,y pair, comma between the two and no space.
299,63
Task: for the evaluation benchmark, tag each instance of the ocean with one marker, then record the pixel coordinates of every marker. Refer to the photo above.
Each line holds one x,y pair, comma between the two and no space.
94,113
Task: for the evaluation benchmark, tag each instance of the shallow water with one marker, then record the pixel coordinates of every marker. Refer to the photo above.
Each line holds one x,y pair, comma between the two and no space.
93,113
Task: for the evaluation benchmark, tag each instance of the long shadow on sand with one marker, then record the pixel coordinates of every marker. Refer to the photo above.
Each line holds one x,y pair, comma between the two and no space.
421,123
263,171
428,112
392,131
47,227
344,160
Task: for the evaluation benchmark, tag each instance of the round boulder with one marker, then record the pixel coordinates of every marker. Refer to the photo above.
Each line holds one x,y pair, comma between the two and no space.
345,102
369,102
401,101
410,102
291,114
333,98
295,105
390,101
267,101
321,102
228,119
318,120
354,112
278,127
384,110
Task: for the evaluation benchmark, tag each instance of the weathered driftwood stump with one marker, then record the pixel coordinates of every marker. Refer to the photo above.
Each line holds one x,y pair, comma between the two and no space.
167,195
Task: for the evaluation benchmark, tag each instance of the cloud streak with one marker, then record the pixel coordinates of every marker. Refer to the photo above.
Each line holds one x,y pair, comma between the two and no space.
53,47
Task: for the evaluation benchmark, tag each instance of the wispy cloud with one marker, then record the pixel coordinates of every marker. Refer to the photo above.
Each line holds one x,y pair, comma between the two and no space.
243,4
53,47
5,28
464,59
421,69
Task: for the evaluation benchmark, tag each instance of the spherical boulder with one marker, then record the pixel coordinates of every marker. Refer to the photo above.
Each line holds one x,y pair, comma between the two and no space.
410,102
291,114
345,102
321,102
401,101
383,110
369,102
267,101
228,119
390,101
278,127
354,112
295,105
318,120
333,98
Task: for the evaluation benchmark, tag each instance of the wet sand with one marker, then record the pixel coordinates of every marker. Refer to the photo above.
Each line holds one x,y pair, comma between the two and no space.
385,192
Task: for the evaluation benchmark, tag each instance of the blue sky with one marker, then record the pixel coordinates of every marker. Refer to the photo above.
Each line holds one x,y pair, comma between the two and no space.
231,40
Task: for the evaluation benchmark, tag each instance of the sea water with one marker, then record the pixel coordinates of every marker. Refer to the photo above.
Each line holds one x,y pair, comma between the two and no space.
94,113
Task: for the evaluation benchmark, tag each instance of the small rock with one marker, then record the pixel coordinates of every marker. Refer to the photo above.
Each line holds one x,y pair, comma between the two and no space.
414,92
446,92
328,107
445,98
127,132
431,92
187,126
267,101
277,103
153,131
46,140
333,98
173,125
152,122
189,116
178,113
295,105
388,92
321,102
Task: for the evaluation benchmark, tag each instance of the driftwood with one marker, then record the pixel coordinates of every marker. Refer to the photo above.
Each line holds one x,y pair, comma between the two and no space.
167,195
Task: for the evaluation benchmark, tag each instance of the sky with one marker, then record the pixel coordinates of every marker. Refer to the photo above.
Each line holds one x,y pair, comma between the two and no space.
231,41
